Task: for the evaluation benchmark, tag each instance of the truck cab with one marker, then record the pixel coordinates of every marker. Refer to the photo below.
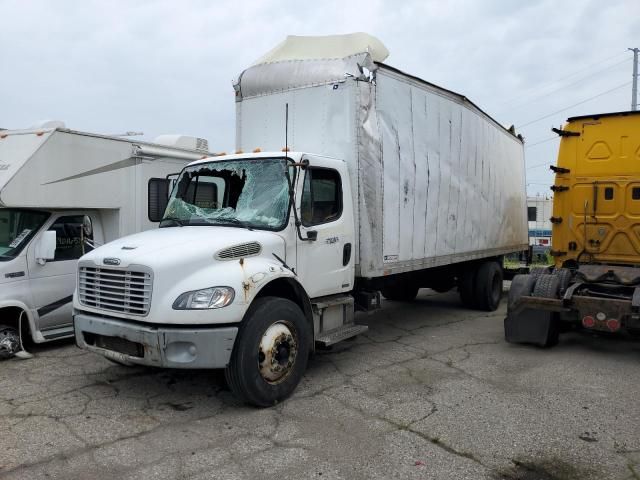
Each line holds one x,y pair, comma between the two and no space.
249,268
594,284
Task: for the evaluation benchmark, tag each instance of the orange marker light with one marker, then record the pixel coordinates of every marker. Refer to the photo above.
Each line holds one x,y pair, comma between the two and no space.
257,150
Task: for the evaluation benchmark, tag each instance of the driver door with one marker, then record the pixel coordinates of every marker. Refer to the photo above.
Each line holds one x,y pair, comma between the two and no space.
325,266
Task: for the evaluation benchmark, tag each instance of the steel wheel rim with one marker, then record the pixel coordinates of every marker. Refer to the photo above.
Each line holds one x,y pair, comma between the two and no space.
9,342
277,352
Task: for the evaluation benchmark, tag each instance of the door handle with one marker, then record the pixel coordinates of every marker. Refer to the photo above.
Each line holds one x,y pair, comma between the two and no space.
346,254
312,235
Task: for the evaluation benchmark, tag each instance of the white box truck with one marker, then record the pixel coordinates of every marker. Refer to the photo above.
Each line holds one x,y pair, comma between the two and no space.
395,184
61,193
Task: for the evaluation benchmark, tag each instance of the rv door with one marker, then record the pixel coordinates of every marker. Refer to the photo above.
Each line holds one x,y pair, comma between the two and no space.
53,282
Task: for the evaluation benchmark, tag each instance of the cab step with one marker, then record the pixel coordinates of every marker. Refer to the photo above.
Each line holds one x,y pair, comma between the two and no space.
339,334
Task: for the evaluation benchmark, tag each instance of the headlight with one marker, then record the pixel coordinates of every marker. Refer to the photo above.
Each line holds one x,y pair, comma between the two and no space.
214,297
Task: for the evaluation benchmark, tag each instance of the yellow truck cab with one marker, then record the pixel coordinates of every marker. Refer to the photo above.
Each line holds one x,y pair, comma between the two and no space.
595,281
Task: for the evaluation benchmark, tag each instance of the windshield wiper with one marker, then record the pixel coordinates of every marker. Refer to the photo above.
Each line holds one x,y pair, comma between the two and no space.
235,221
176,221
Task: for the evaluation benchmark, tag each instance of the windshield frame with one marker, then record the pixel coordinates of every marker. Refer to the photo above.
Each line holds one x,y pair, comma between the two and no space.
289,179
15,252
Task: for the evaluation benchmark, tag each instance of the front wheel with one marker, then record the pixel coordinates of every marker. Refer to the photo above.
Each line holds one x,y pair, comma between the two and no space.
271,352
9,342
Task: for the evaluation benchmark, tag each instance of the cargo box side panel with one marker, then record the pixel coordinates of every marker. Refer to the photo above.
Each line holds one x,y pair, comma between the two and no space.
453,183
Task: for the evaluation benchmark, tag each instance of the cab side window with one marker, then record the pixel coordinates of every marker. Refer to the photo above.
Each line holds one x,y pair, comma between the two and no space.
71,235
321,196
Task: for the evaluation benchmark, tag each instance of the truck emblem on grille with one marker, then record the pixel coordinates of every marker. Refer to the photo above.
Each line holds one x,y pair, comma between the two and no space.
111,261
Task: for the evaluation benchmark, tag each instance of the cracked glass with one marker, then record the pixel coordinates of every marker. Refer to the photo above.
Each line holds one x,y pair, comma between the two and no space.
246,193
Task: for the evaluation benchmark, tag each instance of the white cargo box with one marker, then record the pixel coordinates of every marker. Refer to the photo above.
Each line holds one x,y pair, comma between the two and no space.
435,179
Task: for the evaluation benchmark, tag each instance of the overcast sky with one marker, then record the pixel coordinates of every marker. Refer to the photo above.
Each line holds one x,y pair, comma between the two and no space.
167,66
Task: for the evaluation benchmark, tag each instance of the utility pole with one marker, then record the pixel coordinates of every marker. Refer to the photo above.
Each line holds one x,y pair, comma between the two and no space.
634,88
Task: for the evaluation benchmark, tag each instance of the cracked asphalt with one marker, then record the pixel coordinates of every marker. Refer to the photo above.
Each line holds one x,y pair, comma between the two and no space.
432,391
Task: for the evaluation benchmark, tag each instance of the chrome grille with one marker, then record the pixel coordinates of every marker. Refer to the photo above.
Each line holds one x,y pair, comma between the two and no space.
124,291
239,251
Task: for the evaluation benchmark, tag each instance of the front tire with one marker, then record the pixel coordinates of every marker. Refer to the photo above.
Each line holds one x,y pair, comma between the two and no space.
9,342
270,354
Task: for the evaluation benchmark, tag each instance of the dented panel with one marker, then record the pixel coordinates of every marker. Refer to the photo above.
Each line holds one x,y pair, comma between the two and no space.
435,180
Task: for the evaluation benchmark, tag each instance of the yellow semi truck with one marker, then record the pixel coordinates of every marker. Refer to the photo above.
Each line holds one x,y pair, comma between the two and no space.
595,281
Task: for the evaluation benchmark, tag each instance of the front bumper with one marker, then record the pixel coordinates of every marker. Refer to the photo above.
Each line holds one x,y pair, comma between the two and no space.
156,346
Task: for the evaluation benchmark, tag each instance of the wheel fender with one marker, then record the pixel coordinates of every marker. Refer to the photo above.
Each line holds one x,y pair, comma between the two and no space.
31,318
292,281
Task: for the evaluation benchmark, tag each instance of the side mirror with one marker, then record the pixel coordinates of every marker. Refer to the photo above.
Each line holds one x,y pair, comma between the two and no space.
158,198
46,247
87,227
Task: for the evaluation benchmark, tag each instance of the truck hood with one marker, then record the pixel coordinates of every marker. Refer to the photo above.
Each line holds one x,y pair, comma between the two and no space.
181,244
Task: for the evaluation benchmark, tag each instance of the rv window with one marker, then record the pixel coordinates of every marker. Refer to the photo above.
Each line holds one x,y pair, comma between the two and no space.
532,214
321,197
71,236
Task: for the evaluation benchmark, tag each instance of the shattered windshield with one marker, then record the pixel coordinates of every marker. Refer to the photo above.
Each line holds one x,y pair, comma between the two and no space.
247,193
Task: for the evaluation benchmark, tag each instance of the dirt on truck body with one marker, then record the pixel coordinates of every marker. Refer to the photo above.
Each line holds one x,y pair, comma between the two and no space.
595,282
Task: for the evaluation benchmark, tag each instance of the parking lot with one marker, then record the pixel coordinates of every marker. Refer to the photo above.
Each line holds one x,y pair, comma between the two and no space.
431,391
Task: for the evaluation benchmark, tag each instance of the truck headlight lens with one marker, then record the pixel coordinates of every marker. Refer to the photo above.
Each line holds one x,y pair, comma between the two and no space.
214,297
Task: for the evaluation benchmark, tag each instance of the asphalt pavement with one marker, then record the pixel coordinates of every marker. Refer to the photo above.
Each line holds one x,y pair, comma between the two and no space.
432,391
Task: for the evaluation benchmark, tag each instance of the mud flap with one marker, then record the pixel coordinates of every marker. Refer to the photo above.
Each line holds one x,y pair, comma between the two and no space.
537,327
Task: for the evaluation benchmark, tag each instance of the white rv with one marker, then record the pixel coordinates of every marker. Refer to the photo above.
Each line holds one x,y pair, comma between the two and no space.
395,184
62,192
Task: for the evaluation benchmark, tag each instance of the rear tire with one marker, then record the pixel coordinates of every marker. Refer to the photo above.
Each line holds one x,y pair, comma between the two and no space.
271,351
521,286
488,286
564,277
548,286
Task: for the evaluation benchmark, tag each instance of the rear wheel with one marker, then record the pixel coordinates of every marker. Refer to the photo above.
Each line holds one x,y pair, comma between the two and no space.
548,286
488,286
270,354
521,286
564,278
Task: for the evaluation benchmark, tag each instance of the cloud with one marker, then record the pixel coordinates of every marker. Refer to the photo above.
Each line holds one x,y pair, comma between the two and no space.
167,67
